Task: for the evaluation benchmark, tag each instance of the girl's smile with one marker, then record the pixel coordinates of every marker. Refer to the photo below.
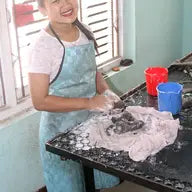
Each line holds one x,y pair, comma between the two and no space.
61,11
67,13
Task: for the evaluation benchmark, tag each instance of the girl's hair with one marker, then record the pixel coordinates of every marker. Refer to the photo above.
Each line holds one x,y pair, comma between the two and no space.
87,33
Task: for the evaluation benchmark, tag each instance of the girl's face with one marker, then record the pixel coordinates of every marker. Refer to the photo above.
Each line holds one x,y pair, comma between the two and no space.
61,11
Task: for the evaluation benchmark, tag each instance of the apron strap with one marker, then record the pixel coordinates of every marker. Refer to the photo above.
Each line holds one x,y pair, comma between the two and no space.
55,34
57,37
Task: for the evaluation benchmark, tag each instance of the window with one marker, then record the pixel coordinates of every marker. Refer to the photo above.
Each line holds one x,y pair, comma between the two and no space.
101,17
20,21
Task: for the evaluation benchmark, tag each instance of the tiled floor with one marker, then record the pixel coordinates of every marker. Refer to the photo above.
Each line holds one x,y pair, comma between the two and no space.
128,187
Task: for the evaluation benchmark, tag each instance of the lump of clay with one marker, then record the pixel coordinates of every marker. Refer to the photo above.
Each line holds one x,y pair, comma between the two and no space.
187,102
123,124
120,104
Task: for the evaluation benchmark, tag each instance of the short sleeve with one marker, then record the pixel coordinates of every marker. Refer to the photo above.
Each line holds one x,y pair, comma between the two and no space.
39,59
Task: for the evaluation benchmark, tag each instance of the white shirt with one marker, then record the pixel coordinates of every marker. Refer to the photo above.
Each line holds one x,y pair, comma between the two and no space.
46,53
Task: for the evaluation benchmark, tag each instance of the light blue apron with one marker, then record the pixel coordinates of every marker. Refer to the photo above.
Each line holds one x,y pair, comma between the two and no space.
76,78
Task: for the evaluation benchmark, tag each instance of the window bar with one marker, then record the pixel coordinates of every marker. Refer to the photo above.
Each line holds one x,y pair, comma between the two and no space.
80,8
117,27
19,57
33,32
98,21
102,45
95,5
112,8
102,37
98,13
101,53
102,29
3,89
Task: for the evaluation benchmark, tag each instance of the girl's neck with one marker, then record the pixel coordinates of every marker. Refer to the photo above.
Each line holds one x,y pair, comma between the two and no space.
66,32
62,28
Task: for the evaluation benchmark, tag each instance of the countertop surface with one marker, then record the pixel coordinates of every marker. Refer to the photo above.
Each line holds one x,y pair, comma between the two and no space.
168,170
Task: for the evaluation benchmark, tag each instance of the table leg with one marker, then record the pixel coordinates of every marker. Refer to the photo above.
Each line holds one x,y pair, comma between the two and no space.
89,179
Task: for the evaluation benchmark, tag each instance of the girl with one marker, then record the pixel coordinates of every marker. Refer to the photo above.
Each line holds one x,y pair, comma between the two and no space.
63,83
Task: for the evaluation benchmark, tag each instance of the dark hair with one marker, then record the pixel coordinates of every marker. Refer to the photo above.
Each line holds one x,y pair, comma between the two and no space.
87,33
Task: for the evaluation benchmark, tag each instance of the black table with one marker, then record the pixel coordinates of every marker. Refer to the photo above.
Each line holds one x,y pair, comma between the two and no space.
168,170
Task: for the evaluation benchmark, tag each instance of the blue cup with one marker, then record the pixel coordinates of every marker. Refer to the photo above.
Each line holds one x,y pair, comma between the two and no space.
170,97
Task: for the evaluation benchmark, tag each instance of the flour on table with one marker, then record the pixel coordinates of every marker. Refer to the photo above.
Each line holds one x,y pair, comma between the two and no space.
147,131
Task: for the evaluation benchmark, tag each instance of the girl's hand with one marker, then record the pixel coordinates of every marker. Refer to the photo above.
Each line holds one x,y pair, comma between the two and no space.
112,95
100,103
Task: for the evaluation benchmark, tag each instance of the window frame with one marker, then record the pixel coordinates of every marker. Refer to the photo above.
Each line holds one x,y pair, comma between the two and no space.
106,67
14,108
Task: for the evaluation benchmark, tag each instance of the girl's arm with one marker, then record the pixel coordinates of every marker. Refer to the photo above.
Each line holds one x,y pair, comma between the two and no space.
103,88
101,83
42,101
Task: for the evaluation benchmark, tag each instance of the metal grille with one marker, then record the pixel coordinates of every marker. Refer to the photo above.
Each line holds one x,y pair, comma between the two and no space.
101,17
26,22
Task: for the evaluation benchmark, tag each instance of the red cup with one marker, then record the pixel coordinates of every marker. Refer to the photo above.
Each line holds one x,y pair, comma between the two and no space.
154,76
